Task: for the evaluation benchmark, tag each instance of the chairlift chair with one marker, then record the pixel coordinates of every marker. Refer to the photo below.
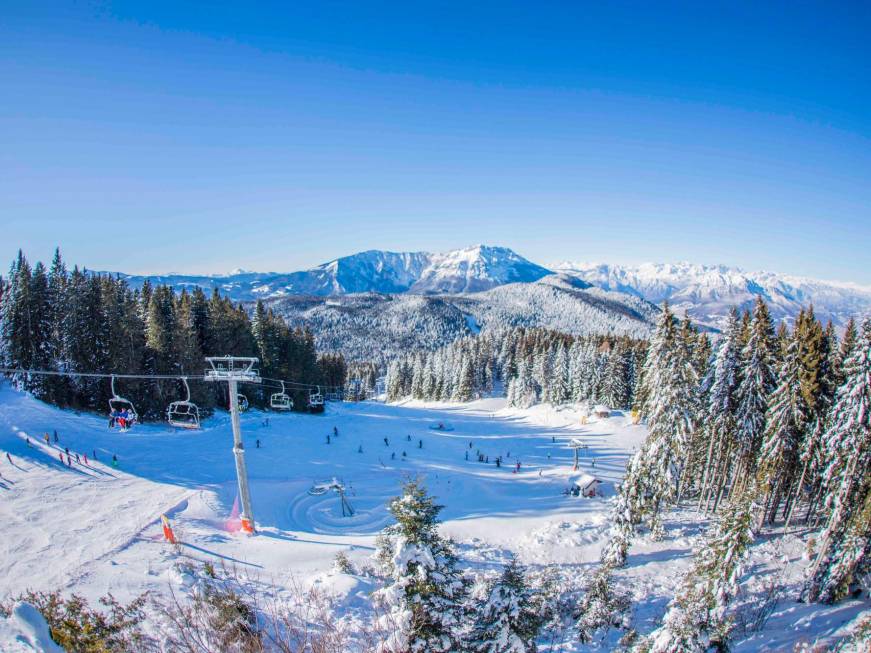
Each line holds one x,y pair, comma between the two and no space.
118,404
316,401
184,414
242,402
281,400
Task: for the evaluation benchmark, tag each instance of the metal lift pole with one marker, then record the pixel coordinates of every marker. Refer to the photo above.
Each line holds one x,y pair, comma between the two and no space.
247,516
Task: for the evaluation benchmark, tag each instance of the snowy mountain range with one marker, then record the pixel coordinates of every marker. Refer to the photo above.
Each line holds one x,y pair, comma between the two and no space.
705,292
472,269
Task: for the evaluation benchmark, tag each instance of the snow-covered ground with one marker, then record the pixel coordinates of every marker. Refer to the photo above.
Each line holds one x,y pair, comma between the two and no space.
95,529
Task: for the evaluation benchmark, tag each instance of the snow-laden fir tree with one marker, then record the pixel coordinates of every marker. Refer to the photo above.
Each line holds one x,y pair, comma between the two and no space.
602,607
847,479
626,514
696,619
422,601
510,618
785,424
671,408
720,415
757,381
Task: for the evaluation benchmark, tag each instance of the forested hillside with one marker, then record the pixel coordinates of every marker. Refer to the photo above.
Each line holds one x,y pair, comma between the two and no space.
79,322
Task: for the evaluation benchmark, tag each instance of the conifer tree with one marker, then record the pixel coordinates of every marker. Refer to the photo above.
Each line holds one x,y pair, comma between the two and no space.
847,479
785,424
696,619
757,382
423,601
509,619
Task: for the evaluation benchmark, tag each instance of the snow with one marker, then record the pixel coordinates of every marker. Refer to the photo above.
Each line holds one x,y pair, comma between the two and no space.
96,529
25,631
708,292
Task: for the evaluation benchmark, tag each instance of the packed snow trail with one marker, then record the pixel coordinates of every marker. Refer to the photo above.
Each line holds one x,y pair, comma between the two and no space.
95,529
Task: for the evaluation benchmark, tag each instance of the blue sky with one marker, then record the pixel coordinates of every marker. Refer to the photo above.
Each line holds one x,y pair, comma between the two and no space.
146,137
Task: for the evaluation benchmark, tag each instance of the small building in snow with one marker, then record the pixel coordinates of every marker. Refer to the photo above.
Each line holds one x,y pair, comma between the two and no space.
602,412
585,485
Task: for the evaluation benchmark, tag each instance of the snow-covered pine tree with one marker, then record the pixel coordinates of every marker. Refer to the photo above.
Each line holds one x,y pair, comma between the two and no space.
696,620
615,383
601,607
560,391
626,514
720,415
422,602
509,619
757,382
671,407
785,424
847,479
465,388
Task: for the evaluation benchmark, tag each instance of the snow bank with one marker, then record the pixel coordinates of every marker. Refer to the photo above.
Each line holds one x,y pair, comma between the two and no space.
25,631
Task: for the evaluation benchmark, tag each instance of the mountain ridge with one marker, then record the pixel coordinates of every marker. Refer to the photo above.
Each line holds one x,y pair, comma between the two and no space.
704,292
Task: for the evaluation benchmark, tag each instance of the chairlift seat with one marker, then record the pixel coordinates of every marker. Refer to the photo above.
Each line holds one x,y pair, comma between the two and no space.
280,401
183,414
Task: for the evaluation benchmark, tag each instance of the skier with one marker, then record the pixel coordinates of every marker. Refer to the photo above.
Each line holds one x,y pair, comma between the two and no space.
258,443
467,455
78,460
408,437
55,436
360,449
393,456
487,459
518,465
420,444
67,451
328,438
114,461
27,440
86,458
403,455
95,454
386,444
69,462
335,431
47,440
470,444
61,456
553,438
499,461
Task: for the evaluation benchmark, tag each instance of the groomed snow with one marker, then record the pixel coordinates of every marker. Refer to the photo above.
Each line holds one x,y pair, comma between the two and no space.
95,529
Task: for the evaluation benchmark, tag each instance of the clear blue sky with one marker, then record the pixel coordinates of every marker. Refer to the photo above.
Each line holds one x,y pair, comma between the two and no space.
146,137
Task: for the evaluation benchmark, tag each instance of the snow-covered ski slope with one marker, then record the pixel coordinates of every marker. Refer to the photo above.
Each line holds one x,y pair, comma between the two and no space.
95,529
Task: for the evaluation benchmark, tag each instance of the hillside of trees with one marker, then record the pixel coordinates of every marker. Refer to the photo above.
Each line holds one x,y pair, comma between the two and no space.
80,322
529,365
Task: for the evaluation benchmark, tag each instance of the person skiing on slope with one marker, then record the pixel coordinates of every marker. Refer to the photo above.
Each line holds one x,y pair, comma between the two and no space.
47,440
335,430
114,461
55,435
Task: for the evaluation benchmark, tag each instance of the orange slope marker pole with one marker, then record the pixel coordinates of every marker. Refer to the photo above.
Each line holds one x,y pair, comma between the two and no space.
167,530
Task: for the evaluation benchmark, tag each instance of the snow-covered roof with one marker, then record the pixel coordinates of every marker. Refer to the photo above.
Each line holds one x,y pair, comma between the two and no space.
585,480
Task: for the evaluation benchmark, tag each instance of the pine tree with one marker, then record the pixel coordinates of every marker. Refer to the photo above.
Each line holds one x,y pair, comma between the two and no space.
509,620
423,601
601,607
757,382
847,478
786,421
464,390
720,417
696,619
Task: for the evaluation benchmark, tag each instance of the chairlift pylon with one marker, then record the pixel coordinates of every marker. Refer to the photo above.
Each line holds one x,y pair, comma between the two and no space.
122,412
281,400
184,414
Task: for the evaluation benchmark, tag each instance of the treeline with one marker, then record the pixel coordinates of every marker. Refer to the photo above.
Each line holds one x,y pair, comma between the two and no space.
529,365
775,428
57,320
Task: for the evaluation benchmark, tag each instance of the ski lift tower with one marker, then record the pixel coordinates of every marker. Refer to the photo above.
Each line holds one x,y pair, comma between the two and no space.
235,370
576,444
